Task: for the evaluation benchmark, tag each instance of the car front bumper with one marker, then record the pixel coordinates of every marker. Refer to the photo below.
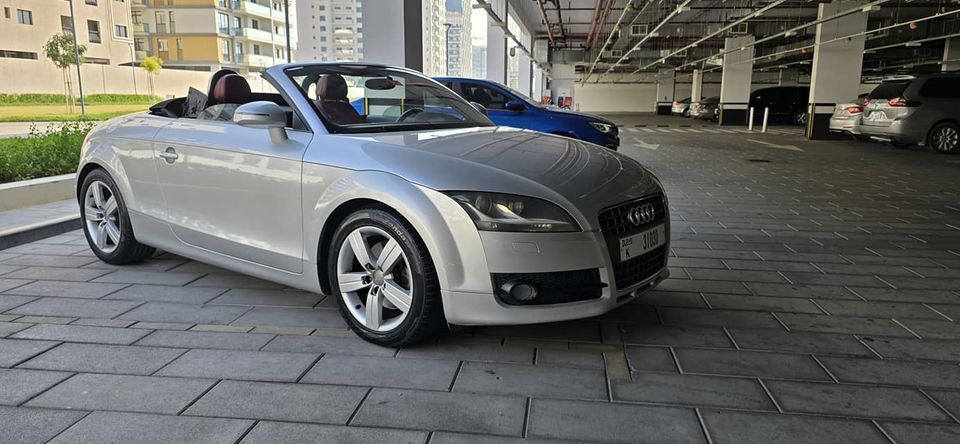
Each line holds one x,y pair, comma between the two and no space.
469,262
533,253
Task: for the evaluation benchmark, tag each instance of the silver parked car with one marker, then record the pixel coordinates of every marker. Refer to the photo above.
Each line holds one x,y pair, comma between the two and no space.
846,118
387,191
923,110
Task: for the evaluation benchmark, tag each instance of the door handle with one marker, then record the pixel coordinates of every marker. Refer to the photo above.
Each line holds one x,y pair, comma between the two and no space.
170,155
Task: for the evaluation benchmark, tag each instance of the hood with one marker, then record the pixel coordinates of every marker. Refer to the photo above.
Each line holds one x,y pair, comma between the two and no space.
579,176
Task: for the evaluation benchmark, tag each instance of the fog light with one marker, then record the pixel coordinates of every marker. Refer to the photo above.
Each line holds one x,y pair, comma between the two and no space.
520,291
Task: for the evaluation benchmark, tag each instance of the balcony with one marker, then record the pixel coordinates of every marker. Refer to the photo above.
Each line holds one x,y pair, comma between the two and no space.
140,55
257,34
255,9
143,28
256,60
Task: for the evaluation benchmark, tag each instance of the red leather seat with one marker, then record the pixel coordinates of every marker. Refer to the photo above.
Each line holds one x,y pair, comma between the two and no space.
332,101
231,89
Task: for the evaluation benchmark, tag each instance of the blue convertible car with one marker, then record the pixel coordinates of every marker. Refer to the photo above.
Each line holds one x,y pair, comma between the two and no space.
507,107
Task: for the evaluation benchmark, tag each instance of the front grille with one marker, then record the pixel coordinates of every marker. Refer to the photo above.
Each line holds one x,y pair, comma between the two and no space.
614,225
554,287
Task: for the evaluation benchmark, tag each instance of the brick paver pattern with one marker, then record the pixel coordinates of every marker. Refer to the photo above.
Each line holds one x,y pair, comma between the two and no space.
813,298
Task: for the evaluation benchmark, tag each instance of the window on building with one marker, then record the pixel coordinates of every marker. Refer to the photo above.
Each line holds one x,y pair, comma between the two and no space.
18,54
162,45
91,2
225,49
24,17
136,17
139,44
122,31
237,22
256,49
223,22
255,24
6,12
93,31
161,18
66,24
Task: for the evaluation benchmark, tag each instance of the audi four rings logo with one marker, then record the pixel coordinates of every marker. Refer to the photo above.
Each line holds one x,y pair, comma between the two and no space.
642,214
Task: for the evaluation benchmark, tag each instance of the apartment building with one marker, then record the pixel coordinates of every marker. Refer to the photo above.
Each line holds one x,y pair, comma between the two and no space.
103,26
329,30
206,35
434,37
459,30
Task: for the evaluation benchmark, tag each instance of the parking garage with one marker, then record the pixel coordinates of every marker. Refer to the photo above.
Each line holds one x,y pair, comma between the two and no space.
814,260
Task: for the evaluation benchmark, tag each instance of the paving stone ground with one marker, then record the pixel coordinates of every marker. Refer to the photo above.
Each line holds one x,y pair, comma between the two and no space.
814,295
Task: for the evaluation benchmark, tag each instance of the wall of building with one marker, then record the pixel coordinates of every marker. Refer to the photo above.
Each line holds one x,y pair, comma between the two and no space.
97,79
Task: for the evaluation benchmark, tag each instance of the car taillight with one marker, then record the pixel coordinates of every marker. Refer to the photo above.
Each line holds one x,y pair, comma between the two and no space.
900,101
854,109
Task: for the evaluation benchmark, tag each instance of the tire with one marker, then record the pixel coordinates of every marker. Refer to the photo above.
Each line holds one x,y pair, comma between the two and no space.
901,145
405,276
106,221
801,118
686,112
944,138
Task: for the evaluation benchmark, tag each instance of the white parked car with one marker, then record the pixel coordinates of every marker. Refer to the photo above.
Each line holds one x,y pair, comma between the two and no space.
383,189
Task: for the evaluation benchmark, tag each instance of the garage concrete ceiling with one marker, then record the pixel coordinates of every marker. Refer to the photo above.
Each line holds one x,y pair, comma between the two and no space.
657,34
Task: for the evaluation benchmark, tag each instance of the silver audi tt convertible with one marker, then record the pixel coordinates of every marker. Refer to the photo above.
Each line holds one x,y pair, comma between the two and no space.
380,187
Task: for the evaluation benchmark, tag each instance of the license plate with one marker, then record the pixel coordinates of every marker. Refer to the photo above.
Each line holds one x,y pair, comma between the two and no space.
641,243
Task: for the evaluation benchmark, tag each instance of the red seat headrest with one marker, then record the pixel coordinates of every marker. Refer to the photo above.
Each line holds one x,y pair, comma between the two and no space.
332,87
232,88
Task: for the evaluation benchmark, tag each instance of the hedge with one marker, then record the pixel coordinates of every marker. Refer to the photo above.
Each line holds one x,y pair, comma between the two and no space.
45,153
91,99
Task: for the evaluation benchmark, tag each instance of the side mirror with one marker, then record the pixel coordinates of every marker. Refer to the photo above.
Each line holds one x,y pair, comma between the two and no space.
515,106
263,114
481,108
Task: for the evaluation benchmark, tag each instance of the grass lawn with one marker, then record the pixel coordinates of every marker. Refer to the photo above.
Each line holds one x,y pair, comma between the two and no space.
58,113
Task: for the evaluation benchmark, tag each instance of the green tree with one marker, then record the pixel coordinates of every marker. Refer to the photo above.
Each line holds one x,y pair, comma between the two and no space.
61,50
152,65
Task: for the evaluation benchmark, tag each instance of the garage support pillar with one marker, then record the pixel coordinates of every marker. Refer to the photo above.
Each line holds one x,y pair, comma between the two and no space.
665,87
836,65
735,80
696,86
399,36
496,51
526,74
951,54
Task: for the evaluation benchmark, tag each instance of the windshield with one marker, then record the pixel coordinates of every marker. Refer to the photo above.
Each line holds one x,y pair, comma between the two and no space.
889,90
359,98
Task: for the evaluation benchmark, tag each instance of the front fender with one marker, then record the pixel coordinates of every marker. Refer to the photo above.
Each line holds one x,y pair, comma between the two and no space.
451,238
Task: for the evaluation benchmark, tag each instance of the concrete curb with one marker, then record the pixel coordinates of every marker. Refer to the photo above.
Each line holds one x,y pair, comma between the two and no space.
40,191
41,230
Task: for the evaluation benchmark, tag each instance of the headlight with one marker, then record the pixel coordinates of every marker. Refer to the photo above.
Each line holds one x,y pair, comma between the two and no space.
506,212
605,128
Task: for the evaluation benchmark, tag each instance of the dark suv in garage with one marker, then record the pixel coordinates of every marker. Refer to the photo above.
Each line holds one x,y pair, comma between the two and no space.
923,109
788,104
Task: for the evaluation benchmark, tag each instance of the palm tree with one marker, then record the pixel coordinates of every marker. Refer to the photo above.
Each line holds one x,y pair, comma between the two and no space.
61,51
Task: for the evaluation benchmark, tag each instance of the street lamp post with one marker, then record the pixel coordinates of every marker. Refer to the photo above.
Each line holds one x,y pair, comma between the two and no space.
76,55
286,22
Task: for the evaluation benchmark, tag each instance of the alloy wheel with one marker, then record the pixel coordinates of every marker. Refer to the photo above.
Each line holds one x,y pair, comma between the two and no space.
102,216
373,276
945,139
